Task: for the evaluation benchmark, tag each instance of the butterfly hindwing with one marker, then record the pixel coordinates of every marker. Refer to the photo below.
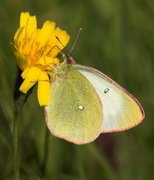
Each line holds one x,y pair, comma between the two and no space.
120,109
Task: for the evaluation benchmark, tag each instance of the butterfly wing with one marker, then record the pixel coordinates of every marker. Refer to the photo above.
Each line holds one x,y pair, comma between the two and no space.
121,110
75,111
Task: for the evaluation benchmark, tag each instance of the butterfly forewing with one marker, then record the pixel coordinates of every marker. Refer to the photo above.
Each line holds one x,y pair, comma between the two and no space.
120,109
75,111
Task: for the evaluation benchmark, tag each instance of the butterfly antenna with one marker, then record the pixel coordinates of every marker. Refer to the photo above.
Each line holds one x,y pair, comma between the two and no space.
76,40
61,44
59,41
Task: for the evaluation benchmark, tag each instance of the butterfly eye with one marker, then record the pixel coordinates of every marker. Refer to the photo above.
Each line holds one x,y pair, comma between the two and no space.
106,90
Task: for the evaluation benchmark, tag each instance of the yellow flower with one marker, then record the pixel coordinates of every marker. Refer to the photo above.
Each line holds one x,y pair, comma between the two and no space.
36,51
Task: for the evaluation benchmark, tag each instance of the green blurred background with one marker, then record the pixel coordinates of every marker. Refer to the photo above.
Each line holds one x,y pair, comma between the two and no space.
118,39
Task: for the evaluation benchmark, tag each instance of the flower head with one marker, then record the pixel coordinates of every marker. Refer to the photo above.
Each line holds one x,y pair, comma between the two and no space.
36,50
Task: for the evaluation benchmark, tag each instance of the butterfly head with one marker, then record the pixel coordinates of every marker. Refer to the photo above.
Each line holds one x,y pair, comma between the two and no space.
69,59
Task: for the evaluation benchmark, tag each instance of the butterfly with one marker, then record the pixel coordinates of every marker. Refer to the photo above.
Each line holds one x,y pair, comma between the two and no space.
85,103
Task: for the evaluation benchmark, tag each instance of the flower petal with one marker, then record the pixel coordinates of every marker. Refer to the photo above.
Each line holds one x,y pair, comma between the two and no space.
43,90
31,25
33,43
17,36
24,18
26,85
48,61
63,37
58,44
22,38
25,73
21,60
29,22
45,32
30,80
33,74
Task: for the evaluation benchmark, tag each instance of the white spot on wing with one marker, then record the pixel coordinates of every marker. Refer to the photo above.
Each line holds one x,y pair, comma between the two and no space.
81,107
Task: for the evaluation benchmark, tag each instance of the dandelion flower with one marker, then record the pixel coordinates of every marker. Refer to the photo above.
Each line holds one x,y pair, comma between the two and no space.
36,50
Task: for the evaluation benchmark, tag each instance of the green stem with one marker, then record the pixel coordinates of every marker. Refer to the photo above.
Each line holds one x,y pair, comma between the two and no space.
19,101
46,148
16,152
